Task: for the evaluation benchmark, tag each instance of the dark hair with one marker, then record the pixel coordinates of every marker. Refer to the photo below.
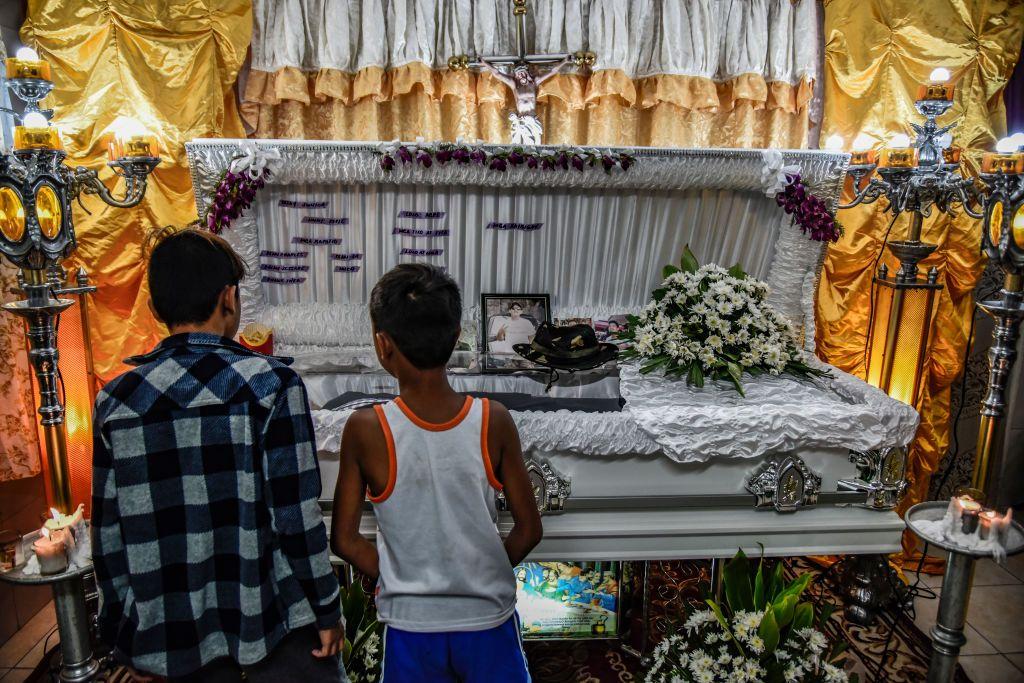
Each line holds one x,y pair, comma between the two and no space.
188,269
514,304
420,307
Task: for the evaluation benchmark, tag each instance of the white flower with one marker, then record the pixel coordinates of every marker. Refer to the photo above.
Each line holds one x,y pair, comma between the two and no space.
792,673
711,638
714,341
834,674
756,644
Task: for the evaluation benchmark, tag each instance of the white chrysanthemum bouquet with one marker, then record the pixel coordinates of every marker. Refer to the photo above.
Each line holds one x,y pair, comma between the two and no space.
706,321
762,633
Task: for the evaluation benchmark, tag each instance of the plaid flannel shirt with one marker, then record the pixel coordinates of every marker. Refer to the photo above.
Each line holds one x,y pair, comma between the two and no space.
208,539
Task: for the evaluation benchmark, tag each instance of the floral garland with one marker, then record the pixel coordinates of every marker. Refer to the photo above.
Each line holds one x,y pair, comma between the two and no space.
784,184
247,173
503,159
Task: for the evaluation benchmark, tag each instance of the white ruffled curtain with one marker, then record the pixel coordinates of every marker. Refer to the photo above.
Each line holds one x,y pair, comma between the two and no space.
728,61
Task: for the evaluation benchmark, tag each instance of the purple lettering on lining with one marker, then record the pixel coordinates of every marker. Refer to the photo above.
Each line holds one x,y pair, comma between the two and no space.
419,232
422,214
526,227
351,256
282,268
421,252
268,253
324,220
297,204
346,269
283,280
317,241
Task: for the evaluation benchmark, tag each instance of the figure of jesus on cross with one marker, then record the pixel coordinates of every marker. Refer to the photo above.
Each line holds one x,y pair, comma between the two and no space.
525,77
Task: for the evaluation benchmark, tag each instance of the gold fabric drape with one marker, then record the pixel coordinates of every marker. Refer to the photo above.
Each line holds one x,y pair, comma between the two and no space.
172,66
877,52
606,108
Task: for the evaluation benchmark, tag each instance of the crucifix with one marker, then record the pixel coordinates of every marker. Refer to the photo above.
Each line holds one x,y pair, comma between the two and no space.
523,73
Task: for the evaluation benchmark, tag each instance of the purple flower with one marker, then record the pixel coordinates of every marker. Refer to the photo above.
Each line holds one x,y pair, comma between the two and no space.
608,163
498,164
515,158
211,221
387,162
424,158
577,162
562,161
404,154
625,161
531,161
478,156
462,155
547,163
443,156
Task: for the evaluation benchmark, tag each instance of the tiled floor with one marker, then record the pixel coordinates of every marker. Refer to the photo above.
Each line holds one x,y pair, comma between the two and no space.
994,652
20,655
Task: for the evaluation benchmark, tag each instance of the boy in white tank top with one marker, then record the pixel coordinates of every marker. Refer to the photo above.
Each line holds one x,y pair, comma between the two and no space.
431,462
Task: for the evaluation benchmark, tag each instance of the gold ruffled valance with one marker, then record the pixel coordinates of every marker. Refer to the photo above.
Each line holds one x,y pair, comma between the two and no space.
607,107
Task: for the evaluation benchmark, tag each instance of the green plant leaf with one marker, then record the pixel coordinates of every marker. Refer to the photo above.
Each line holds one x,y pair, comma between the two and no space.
737,272
775,585
668,270
734,374
688,263
769,631
696,375
803,616
759,587
784,608
654,364
736,579
721,618
824,614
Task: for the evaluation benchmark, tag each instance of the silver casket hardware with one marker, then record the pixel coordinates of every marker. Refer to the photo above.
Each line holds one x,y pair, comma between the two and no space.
882,475
549,487
784,483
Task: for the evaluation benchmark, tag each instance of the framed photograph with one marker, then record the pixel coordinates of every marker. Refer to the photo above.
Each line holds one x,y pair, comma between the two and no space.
507,320
566,600
609,330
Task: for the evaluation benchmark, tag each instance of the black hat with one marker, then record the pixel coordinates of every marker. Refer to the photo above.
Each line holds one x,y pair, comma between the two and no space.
573,347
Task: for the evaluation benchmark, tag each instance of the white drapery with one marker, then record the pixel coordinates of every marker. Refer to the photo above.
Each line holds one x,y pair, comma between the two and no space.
720,40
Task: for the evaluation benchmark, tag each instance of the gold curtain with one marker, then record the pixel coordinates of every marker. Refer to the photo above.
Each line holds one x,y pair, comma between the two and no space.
876,54
606,108
172,66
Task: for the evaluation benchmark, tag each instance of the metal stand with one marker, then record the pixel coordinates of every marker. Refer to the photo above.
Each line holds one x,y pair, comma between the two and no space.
948,632
77,662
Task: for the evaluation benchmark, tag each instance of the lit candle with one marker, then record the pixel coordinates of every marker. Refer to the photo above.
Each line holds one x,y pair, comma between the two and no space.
898,157
52,555
939,88
131,139
26,64
989,522
37,138
970,514
863,157
995,162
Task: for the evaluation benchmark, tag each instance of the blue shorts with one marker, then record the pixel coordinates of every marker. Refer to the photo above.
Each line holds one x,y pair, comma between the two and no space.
492,656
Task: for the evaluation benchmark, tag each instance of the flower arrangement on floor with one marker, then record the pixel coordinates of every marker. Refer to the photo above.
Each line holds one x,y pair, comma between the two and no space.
246,175
762,632
363,652
501,159
706,321
808,210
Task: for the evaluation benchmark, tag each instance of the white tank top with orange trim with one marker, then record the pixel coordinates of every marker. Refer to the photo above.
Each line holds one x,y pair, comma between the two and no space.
443,565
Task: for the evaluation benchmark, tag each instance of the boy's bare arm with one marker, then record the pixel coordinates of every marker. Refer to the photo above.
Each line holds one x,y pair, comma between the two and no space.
349,495
503,439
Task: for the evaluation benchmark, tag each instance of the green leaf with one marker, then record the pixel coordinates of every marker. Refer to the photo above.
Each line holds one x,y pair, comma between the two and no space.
668,270
784,609
825,614
696,375
688,263
769,631
737,272
721,618
655,363
736,578
734,374
803,617
759,587
659,294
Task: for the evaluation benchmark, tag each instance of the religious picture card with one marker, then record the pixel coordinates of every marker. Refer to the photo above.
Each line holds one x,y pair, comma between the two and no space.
507,320
612,329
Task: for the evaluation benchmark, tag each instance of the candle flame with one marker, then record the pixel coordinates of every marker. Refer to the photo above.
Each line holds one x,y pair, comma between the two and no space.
125,127
27,54
940,75
1010,143
35,120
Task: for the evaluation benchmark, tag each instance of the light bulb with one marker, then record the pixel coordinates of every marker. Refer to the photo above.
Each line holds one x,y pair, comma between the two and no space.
126,127
899,140
27,54
939,75
34,119
834,143
1007,145
862,142
1018,139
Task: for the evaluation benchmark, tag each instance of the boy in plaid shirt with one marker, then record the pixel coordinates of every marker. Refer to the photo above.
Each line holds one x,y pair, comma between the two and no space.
209,546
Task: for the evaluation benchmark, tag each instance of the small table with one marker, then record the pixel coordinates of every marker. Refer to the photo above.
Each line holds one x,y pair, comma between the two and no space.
948,632
77,663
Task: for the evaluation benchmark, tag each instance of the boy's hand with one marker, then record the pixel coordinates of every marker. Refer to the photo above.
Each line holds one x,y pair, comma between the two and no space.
331,641
136,676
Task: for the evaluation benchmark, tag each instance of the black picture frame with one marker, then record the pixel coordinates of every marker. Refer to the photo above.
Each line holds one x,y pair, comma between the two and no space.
508,360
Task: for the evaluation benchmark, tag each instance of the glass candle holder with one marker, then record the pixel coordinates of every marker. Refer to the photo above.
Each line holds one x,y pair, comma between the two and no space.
996,162
134,146
951,155
898,157
864,157
37,138
27,68
936,91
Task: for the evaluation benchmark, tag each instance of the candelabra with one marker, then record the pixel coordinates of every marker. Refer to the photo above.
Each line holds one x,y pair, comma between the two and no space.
37,233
